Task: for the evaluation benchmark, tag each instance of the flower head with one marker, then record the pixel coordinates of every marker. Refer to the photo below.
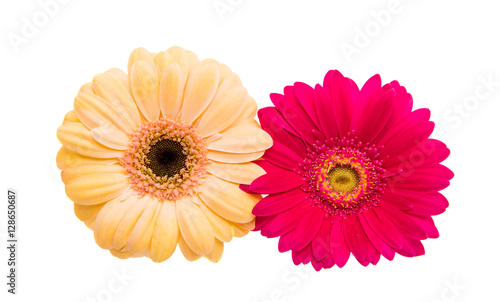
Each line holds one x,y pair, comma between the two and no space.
351,171
154,158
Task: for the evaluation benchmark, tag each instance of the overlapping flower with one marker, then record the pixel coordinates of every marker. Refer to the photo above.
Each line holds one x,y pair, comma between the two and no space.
351,171
153,158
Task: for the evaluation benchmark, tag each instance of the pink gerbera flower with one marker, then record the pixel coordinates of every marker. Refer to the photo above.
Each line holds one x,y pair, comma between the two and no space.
350,171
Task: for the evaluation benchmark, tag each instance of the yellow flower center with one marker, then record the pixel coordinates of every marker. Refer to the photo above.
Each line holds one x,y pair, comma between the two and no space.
343,179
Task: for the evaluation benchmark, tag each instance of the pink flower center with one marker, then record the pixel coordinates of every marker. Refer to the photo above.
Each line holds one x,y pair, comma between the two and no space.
344,175
165,159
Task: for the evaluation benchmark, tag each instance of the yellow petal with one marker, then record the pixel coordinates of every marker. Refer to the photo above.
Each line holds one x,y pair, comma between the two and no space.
139,54
87,213
128,223
162,60
88,169
222,111
144,84
166,233
111,137
109,219
220,226
111,88
71,117
234,158
216,254
239,231
171,90
77,138
188,253
86,88
247,226
227,199
242,139
200,89
140,238
194,226
238,173
120,255
93,111
95,189
66,158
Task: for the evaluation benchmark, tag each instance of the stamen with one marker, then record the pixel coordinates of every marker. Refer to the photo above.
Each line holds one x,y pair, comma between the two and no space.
344,175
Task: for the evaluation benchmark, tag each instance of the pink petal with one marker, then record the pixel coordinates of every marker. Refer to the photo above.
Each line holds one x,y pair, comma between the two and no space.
305,94
429,153
373,116
284,222
381,246
298,119
417,181
302,256
285,242
274,127
277,203
321,243
412,248
355,238
423,204
338,246
412,120
276,182
282,156
407,226
337,87
324,110
308,227
384,227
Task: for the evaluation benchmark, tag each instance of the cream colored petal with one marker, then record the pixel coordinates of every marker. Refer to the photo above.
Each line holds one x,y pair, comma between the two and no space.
93,111
184,58
233,158
229,80
111,137
71,117
222,112
238,173
162,60
140,54
77,138
220,226
226,199
216,254
87,213
109,219
171,91
128,223
188,253
111,88
144,84
140,238
194,226
88,169
66,158
95,189
200,89
242,139
239,231
166,233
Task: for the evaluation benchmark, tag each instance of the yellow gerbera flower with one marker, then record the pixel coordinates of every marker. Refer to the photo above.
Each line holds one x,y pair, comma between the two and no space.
154,158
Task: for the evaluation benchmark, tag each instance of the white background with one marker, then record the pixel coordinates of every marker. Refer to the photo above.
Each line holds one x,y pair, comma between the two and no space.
442,51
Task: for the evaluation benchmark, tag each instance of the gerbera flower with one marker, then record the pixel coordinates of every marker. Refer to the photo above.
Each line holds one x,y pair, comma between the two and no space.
350,171
154,158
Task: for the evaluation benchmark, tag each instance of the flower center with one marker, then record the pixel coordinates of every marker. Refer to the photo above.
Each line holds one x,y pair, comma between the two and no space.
344,176
343,179
165,159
